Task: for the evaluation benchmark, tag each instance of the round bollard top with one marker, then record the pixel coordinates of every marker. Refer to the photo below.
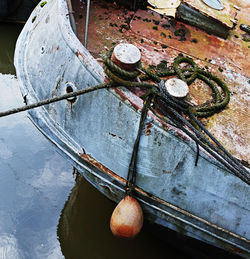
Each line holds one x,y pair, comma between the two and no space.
177,87
126,56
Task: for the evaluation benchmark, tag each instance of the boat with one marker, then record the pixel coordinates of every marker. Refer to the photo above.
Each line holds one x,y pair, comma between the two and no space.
179,184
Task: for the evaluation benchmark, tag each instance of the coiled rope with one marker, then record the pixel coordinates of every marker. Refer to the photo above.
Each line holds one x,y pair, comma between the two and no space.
178,112
125,78
174,109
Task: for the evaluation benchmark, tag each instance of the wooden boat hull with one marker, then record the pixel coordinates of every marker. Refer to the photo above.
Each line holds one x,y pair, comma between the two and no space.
96,133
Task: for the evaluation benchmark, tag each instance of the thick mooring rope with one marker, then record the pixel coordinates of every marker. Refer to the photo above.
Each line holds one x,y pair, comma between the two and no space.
123,77
132,170
57,98
174,108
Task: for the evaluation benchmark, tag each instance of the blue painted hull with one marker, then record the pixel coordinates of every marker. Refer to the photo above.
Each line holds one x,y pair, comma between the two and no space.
97,134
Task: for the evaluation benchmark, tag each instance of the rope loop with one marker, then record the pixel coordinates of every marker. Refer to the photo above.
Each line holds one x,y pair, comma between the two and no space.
181,72
168,108
188,74
124,74
174,108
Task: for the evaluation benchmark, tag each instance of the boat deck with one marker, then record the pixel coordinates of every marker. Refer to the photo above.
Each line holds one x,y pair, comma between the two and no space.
161,38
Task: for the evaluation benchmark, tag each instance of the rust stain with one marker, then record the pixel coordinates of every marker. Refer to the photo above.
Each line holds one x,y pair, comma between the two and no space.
224,58
101,167
87,61
193,41
113,135
112,25
124,98
148,126
86,157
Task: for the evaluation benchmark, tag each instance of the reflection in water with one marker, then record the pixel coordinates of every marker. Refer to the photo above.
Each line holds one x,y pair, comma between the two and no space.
8,246
83,229
34,183
34,179
8,36
83,232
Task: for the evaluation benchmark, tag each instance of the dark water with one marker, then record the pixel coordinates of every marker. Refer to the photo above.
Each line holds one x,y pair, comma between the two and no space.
46,210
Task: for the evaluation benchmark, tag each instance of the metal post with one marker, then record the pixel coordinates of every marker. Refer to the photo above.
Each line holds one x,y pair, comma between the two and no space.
71,16
87,24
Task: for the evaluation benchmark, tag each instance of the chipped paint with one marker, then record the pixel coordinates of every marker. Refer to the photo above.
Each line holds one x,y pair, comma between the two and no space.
147,130
88,158
145,194
115,113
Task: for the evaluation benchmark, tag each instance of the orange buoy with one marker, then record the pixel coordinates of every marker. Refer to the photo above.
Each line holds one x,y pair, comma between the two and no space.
127,218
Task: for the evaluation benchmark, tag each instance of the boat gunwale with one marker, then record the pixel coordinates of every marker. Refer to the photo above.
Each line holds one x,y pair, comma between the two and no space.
147,200
41,113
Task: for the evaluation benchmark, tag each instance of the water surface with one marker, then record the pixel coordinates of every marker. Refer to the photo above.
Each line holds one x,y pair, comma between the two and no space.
35,180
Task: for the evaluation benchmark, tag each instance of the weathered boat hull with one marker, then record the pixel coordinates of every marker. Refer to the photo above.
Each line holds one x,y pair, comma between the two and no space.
98,130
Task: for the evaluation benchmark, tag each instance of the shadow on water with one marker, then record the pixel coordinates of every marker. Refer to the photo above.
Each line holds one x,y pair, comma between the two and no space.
8,37
83,229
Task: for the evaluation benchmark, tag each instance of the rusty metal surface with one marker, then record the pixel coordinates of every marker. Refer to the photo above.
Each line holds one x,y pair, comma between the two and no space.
163,39
211,206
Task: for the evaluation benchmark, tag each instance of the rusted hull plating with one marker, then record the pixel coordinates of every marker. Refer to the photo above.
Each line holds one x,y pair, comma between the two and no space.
98,130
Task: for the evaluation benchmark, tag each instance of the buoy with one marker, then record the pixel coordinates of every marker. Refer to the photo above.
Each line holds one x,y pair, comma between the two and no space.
127,218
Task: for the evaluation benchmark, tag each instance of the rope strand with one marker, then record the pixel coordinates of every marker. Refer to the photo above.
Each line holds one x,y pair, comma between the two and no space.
132,171
58,98
174,109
